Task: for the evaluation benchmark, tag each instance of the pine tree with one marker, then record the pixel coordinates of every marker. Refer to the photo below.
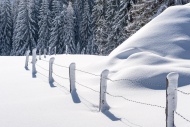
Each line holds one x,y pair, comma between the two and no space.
98,22
78,9
7,27
69,29
56,8
85,29
44,25
58,33
25,31
1,31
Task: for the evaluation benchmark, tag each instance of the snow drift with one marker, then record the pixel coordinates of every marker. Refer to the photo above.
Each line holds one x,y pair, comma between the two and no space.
160,47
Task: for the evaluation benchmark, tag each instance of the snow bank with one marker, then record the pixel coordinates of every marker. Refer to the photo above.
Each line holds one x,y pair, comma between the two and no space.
160,47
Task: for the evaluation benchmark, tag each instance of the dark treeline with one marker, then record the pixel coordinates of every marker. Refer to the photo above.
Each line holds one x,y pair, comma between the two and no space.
83,26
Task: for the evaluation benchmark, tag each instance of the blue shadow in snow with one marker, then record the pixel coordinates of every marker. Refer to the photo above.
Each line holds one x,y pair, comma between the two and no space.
111,116
75,97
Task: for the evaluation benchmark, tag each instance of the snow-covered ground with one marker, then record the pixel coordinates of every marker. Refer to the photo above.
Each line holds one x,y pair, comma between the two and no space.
144,61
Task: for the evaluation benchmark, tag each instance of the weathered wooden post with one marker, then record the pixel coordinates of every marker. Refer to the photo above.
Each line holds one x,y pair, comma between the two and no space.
103,88
34,61
40,54
51,61
45,51
171,98
72,77
27,58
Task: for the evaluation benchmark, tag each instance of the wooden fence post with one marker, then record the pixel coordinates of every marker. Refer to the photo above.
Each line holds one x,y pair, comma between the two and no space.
40,54
103,87
27,59
45,51
171,98
51,61
55,50
66,50
72,77
34,61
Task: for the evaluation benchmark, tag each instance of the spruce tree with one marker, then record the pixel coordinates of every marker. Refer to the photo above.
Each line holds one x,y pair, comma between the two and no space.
44,25
58,33
69,30
85,29
6,27
25,31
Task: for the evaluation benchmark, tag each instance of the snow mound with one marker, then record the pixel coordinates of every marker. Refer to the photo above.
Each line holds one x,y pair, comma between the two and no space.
167,35
160,47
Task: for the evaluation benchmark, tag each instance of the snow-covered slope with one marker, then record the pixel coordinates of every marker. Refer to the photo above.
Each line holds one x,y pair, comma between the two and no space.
143,62
158,48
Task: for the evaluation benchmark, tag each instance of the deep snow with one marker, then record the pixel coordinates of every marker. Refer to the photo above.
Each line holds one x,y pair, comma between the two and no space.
144,60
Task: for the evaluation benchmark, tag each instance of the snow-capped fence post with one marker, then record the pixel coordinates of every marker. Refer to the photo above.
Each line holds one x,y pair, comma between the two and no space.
72,77
103,87
45,51
55,51
40,54
51,61
171,98
27,58
34,61
49,51
66,50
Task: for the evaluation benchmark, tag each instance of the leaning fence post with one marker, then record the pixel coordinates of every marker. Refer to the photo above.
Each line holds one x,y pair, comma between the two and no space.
45,51
34,61
51,61
171,98
72,77
103,87
40,54
66,49
27,58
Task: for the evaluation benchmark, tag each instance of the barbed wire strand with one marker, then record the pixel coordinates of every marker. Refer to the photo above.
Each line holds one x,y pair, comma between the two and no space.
60,65
87,72
132,81
182,116
87,87
62,86
153,105
60,76
182,92
42,67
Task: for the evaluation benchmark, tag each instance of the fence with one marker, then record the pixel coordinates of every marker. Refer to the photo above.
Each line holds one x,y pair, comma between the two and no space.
171,90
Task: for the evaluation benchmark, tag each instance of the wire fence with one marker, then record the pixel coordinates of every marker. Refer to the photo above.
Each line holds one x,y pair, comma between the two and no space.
182,92
112,80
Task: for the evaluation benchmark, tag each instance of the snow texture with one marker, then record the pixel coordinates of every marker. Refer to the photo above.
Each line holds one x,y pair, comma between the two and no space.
144,60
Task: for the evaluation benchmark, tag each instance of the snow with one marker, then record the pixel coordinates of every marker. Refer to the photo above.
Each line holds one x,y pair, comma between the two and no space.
144,61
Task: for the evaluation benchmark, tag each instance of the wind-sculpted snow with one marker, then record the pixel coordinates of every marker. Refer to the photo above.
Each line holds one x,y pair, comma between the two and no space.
160,47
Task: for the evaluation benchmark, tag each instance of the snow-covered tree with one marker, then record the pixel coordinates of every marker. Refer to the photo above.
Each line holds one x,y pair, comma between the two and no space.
56,8
58,32
1,31
98,22
25,31
44,25
6,27
86,30
78,9
69,28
